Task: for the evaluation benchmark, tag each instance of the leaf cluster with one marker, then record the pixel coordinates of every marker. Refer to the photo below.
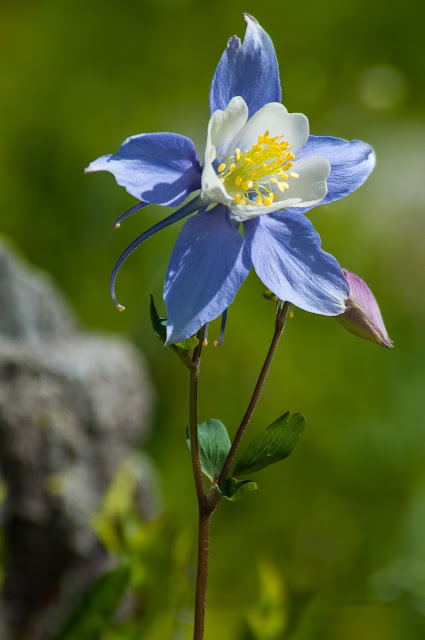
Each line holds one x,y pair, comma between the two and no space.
272,445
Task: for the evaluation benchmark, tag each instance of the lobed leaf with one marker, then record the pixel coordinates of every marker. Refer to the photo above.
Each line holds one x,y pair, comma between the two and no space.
274,444
234,489
188,344
214,445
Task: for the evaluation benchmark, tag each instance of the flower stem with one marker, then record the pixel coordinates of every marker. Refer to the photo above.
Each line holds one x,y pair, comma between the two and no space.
202,572
193,420
281,314
205,510
208,505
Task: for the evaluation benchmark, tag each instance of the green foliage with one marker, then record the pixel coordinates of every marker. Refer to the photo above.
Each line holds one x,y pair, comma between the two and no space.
157,553
234,489
214,445
269,295
188,344
159,326
275,443
268,618
91,615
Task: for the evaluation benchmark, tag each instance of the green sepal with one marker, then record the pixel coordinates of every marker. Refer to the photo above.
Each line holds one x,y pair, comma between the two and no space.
92,613
274,444
233,489
214,445
159,325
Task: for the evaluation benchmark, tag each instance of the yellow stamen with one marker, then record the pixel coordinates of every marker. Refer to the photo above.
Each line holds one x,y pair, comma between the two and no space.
248,176
293,174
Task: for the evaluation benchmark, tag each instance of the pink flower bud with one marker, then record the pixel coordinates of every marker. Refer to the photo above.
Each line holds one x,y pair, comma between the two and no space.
363,317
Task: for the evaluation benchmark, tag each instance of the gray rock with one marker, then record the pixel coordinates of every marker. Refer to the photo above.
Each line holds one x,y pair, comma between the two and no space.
73,406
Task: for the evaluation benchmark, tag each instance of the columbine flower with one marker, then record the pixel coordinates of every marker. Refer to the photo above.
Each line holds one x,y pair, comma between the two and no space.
362,316
259,159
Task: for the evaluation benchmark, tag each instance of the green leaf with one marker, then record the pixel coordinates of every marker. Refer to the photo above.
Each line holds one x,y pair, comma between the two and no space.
269,295
274,444
233,489
188,344
159,325
214,445
92,613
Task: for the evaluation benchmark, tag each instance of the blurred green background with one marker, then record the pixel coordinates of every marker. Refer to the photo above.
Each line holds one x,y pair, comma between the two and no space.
341,521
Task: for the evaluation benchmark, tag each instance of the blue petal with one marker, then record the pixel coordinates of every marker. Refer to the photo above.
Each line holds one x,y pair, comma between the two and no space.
189,207
208,265
249,70
351,163
158,168
286,254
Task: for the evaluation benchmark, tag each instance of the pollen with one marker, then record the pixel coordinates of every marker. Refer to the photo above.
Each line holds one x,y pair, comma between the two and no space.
256,176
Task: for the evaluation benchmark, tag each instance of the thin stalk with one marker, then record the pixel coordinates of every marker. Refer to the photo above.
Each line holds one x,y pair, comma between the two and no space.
202,572
281,314
207,506
193,420
205,510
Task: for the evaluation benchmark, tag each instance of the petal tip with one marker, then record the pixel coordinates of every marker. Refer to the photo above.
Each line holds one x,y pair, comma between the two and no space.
249,18
234,42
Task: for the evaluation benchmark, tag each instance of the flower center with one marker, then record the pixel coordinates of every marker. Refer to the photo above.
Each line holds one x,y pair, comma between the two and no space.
253,175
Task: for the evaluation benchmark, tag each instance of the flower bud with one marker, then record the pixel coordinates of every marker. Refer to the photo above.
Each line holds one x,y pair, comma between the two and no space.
363,317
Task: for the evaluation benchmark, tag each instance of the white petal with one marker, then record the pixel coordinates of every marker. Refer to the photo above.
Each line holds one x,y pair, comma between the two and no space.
211,188
241,212
310,187
305,191
222,128
274,117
